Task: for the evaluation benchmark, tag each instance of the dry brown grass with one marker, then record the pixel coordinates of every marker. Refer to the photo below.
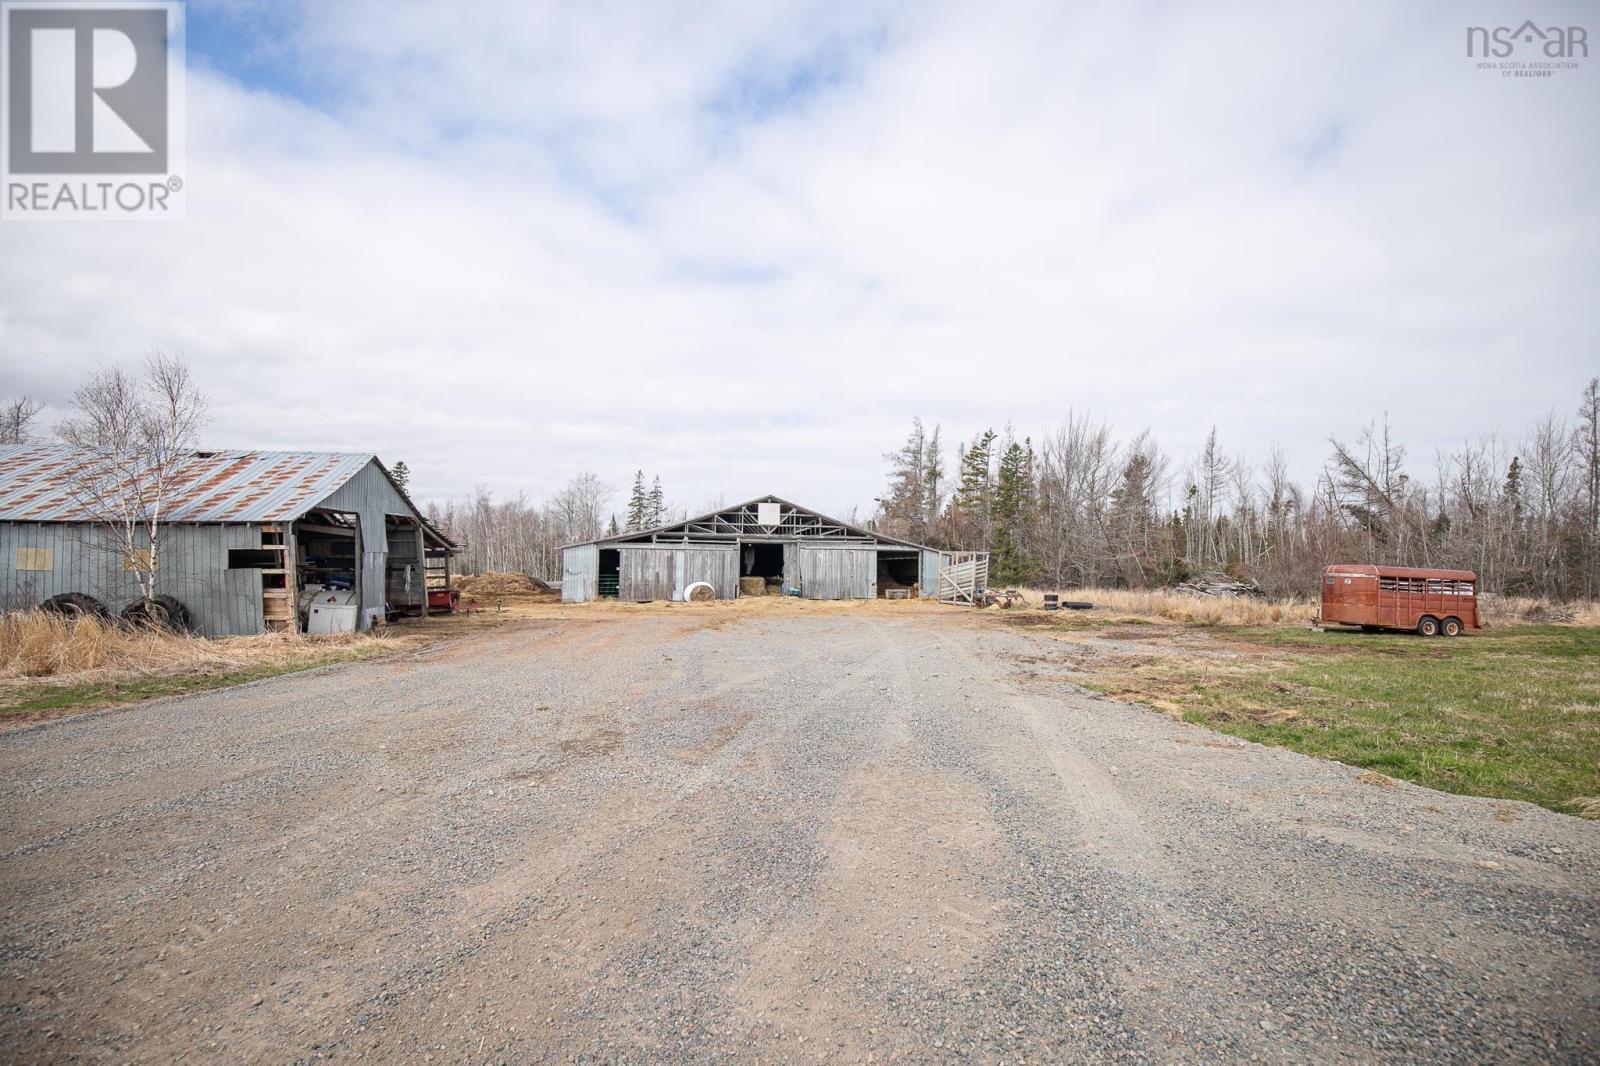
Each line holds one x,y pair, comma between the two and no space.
39,644
1166,605
1585,806
1528,610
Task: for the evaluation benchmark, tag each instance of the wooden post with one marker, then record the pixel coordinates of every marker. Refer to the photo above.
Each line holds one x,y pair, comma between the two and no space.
422,565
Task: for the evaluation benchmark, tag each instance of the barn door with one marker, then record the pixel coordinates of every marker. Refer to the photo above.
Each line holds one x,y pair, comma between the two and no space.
791,565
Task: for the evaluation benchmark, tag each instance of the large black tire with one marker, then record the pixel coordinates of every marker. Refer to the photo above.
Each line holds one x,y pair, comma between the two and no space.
1451,627
163,612
76,605
1427,626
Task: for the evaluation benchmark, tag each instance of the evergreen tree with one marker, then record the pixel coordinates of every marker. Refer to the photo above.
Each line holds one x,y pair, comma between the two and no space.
612,529
969,507
1513,492
401,474
904,507
1009,563
657,504
637,503
1132,516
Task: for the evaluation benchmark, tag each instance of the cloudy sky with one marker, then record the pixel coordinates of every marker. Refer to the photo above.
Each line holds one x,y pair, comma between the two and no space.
742,245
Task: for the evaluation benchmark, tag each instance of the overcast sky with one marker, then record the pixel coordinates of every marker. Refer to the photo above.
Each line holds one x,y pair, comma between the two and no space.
742,245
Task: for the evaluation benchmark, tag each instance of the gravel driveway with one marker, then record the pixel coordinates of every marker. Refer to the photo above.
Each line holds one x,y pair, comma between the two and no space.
786,834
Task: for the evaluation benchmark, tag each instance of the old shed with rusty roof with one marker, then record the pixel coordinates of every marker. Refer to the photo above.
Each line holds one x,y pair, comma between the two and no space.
248,537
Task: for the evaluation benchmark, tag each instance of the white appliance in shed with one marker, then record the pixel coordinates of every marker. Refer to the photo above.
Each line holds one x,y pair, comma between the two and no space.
332,611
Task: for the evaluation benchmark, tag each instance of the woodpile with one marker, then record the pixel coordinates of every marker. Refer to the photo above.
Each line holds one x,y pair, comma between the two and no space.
1220,585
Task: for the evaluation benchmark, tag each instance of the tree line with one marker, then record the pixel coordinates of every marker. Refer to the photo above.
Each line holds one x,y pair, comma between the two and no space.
1080,506
520,535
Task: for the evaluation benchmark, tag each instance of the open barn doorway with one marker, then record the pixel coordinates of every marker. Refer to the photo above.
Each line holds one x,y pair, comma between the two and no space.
764,561
898,574
610,573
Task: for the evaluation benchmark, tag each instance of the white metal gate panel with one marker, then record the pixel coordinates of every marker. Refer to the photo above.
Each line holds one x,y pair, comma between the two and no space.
964,577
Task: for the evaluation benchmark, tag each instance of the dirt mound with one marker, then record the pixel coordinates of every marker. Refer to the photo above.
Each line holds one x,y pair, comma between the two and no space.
497,585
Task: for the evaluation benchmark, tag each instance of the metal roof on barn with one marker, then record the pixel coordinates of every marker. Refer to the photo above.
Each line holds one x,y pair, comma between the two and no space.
742,523
37,484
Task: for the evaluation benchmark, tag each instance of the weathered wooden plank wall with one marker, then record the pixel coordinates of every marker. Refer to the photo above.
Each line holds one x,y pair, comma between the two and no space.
647,573
717,565
838,573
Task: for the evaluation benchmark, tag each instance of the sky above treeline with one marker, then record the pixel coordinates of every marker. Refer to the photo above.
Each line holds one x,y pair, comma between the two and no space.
742,245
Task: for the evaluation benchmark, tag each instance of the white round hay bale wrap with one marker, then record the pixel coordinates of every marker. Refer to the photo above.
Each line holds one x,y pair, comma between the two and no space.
699,592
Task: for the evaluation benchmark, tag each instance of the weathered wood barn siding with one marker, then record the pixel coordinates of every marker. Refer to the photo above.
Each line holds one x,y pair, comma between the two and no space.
371,496
580,573
662,572
645,574
716,564
87,558
838,573
823,558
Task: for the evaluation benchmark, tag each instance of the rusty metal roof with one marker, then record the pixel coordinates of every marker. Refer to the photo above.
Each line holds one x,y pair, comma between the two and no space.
37,484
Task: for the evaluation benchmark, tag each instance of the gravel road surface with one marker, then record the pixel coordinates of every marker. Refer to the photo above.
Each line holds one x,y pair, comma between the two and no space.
782,835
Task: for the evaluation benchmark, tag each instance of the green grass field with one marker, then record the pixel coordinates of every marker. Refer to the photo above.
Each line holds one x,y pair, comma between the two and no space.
1511,713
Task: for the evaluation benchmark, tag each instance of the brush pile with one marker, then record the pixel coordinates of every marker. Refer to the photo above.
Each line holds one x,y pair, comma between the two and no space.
1220,585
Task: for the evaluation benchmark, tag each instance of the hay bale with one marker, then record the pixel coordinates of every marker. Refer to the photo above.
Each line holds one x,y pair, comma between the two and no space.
752,586
700,592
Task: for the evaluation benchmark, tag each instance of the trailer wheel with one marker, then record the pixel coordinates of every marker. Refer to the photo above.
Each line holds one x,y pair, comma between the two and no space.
1427,626
163,612
1452,627
75,605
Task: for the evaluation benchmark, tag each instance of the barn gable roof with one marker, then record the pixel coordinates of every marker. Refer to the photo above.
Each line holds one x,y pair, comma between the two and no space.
36,484
741,522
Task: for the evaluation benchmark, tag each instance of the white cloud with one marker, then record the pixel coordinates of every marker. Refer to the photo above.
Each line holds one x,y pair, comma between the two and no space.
744,247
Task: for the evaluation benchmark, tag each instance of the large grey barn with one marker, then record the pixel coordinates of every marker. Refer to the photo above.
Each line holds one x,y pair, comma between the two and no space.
248,532
788,546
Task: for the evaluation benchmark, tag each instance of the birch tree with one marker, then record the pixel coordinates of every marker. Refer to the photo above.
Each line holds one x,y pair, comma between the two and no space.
135,435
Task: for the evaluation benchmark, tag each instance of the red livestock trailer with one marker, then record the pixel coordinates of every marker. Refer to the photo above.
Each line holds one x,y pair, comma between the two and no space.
1428,602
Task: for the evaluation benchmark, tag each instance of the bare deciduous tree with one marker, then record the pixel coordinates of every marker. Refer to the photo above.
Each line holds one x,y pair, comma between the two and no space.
17,416
136,436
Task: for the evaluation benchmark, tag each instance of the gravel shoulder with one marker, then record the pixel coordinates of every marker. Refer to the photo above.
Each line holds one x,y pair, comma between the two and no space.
684,835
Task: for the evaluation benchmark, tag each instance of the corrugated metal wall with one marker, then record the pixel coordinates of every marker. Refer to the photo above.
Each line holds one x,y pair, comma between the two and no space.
838,573
580,573
371,495
194,570
931,561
